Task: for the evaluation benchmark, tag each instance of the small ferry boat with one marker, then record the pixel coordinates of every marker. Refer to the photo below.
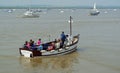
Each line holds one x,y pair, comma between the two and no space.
65,49
59,51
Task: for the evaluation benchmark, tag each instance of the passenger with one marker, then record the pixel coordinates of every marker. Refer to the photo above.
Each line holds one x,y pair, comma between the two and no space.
51,46
38,42
63,38
45,46
40,47
68,40
26,45
57,44
55,41
31,42
33,46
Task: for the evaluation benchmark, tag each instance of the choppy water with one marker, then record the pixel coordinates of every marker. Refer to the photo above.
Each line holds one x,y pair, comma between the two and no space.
98,49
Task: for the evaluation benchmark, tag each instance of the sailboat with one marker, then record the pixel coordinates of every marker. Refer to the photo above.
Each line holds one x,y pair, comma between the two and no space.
94,11
30,14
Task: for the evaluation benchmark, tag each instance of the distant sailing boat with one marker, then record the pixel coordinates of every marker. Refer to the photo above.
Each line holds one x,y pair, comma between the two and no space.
94,11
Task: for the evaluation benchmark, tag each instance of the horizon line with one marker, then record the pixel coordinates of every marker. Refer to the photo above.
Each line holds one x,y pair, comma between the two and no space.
54,7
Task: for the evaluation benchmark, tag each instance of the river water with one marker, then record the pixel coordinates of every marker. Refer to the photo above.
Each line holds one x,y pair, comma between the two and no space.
98,48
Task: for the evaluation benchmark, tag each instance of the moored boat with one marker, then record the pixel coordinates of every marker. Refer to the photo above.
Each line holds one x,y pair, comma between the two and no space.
30,14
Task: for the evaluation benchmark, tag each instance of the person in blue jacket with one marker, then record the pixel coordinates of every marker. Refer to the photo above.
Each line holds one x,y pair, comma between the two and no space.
63,38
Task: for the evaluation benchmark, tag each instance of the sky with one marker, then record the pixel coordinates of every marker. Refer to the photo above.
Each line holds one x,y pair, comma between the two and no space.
60,2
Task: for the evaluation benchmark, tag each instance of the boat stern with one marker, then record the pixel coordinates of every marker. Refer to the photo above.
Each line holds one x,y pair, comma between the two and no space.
25,53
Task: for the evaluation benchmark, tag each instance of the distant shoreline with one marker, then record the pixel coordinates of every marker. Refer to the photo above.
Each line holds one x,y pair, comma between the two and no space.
53,7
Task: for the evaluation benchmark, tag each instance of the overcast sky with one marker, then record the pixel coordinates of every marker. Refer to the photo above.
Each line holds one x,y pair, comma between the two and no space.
60,2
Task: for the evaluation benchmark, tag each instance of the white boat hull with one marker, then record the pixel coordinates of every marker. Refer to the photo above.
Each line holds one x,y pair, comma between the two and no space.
30,14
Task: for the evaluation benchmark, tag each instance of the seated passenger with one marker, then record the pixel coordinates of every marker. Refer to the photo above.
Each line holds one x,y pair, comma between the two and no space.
45,46
57,44
51,46
40,47
31,41
27,44
38,42
33,46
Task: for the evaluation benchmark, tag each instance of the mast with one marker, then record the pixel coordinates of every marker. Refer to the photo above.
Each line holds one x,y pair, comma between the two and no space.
94,7
70,25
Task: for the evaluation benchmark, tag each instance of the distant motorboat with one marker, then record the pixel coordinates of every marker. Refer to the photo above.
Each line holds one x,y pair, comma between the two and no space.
94,11
30,14
10,11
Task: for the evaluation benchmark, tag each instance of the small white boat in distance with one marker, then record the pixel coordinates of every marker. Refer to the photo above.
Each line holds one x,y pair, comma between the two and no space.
94,11
30,14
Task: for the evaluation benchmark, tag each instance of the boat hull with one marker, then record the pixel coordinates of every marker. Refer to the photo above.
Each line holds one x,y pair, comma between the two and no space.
31,16
94,13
